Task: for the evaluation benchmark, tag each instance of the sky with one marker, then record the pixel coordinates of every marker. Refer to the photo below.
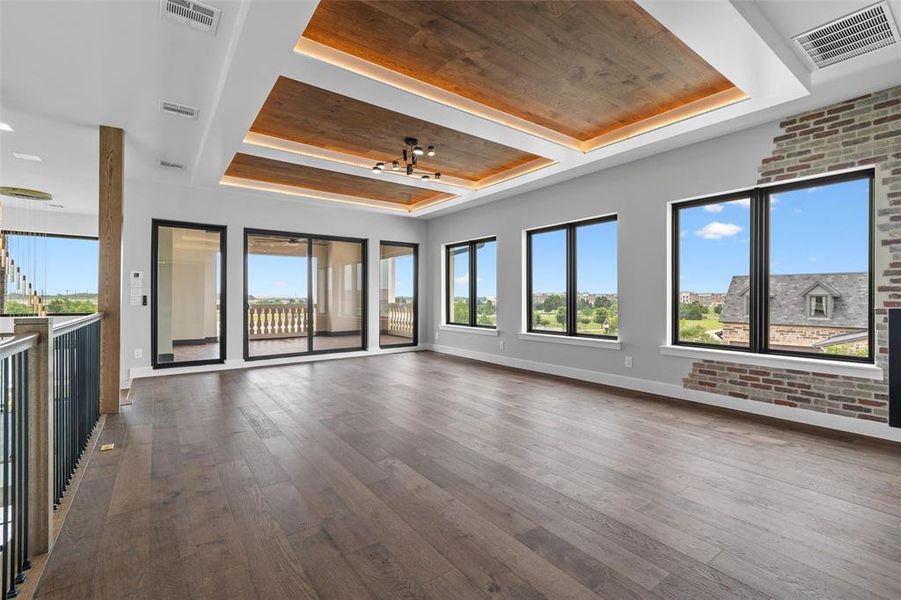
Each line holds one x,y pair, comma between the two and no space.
595,259
486,269
276,276
821,229
67,264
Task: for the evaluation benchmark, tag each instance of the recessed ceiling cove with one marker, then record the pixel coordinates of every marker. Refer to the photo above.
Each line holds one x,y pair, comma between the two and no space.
589,73
309,120
258,172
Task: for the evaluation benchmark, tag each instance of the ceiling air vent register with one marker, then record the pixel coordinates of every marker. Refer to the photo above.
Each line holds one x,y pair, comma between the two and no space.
179,110
195,14
172,165
860,32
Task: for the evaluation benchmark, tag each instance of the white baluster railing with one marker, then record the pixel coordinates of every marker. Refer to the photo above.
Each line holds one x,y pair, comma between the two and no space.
276,321
400,319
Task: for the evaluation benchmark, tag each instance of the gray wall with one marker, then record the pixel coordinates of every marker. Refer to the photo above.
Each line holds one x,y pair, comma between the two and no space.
638,192
238,209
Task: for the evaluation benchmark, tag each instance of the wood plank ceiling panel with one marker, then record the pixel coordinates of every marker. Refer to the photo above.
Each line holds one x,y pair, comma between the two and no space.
582,68
267,170
303,113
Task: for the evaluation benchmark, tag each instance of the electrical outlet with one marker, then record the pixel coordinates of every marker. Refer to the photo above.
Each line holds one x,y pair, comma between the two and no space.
139,353
628,362
502,344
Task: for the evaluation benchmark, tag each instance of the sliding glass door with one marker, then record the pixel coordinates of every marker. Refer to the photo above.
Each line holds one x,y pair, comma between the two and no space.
188,285
398,270
303,294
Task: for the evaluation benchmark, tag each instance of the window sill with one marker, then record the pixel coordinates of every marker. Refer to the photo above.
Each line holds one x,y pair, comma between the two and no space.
468,329
571,340
800,363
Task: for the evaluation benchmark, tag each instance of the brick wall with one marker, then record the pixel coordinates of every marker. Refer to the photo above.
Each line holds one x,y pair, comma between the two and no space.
862,131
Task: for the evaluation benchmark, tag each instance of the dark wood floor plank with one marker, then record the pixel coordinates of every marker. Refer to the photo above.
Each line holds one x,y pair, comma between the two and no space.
419,475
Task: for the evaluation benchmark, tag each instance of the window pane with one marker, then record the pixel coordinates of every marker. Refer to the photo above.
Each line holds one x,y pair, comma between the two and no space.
337,295
819,262
486,284
714,268
66,279
188,267
596,300
397,278
277,316
458,266
548,272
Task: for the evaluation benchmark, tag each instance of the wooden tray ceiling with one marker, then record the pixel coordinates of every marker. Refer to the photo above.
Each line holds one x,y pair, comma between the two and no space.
299,177
580,68
306,114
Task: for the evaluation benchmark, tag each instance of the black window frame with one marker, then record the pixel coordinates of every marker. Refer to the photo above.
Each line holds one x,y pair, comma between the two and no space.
310,238
51,235
758,319
473,277
571,292
223,293
415,247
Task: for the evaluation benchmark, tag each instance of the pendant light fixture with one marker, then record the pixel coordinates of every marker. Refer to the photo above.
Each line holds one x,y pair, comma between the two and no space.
409,159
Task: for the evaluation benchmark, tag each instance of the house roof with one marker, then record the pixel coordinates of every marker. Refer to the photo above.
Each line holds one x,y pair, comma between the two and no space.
789,304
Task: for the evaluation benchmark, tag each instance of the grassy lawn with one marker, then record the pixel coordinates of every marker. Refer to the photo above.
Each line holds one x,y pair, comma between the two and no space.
549,323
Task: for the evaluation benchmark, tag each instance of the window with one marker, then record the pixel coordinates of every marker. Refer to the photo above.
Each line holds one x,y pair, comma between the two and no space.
471,283
66,280
572,279
188,284
794,265
303,294
398,302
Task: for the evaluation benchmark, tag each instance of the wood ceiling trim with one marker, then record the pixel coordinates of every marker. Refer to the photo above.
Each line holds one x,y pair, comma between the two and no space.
669,75
273,175
336,124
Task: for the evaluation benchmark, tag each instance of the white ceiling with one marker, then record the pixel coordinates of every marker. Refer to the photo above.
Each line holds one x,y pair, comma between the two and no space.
68,66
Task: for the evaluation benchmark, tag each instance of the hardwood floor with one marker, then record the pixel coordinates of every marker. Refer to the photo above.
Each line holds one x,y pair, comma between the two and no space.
425,476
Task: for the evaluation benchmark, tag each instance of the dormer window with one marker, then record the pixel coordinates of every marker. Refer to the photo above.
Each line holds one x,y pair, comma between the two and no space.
819,307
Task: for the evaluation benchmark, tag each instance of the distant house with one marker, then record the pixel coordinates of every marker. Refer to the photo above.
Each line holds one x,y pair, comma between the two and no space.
808,312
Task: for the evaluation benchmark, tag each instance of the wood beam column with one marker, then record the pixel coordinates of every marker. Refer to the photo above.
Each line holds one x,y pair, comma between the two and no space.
110,293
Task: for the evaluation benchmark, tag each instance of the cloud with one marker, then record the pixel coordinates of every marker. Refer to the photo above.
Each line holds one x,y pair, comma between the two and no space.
718,231
714,208
812,259
744,202
462,280
799,210
280,284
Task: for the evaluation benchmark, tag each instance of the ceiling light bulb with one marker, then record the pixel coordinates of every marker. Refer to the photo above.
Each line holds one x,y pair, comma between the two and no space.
417,150
395,166
5,127
377,169
431,151
424,177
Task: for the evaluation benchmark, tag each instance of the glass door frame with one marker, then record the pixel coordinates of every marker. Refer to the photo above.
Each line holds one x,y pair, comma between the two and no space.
415,248
154,297
310,238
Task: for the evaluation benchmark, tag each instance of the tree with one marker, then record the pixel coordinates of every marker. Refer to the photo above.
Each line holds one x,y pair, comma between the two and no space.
692,311
461,311
718,309
561,315
539,320
602,302
600,315
553,302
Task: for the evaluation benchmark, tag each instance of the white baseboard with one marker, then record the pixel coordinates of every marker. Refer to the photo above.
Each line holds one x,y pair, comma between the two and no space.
787,413
231,364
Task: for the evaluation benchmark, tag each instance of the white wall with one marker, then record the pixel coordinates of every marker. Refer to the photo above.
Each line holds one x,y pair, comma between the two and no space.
638,192
238,209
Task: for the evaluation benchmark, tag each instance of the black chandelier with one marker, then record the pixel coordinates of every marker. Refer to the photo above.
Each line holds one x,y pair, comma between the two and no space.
411,152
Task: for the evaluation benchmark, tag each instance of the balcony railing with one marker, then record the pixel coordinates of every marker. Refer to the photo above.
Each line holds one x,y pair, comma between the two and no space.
50,385
399,320
270,321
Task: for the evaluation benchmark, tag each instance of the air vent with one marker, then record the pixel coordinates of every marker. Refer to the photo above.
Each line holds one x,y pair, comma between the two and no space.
172,165
25,193
179,110
195,14
858,33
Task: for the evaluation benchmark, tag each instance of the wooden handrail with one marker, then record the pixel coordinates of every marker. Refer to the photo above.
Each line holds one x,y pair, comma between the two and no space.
76,323
18,343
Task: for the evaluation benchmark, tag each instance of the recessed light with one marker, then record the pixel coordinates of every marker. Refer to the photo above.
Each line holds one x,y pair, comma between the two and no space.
21,156
5,127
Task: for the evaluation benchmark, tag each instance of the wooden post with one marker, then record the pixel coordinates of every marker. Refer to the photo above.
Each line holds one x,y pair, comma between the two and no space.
110,233
40,434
